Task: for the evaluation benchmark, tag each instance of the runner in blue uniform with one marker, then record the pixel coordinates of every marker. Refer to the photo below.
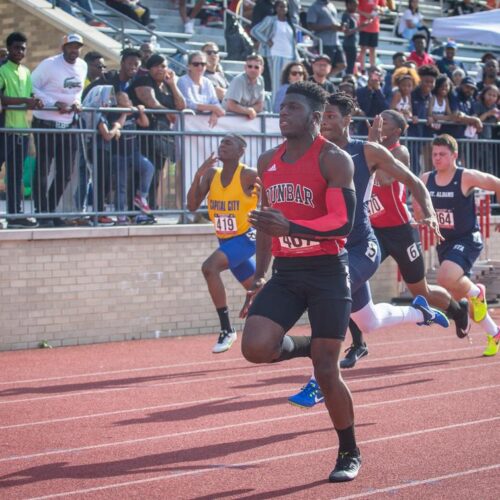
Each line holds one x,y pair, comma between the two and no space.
452,193
362,246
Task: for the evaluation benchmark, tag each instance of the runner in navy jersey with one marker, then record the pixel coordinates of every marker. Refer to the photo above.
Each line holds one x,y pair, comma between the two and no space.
362,245
390,219
452,192
308,205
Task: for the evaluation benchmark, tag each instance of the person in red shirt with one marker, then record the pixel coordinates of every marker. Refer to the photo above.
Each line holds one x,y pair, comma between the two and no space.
308,207
419,56
368,35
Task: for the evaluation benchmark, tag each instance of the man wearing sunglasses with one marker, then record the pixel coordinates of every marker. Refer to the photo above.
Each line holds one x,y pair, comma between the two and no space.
245,95
95,66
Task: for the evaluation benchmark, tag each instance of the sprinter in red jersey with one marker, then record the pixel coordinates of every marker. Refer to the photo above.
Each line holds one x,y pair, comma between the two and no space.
308,205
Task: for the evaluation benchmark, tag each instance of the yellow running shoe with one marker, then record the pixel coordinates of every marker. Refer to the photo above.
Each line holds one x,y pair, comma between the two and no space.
492,347
478,305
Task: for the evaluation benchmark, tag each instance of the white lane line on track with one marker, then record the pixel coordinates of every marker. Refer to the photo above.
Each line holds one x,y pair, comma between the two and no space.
201,401
239,424
264,460
195,363
397,487
252,373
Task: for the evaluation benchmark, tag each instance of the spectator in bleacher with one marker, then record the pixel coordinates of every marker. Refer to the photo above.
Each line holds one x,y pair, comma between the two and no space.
133,9
349,88
95,66
16,88
398,60
293,72
411,22
462,101
439,106
322,18
276,37
58,81
420,99
457,76
464,7
371,100
448,64
146,51
487,110
369,10
84,4
491,75
119,79
405,80
198,91
321,68
158,90
214,71
188,18
351,26
245,95
420,56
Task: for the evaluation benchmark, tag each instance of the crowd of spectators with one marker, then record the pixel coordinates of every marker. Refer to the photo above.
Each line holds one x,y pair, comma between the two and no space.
435,94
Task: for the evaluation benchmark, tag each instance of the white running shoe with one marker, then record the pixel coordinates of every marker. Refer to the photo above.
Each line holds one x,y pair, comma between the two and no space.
225,341
189,27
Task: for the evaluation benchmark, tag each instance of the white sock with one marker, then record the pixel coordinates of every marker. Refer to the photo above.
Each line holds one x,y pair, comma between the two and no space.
489,326
474,291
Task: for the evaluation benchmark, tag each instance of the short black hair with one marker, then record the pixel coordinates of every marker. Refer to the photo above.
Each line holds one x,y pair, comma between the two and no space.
92,56
129,52
397,118
396,55
17,36
343,101
416,36
428,70
316,96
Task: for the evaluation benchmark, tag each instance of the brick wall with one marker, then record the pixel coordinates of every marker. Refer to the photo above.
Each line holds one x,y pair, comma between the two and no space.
77,286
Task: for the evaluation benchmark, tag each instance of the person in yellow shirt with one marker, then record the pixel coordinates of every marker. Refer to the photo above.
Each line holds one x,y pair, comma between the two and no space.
232,193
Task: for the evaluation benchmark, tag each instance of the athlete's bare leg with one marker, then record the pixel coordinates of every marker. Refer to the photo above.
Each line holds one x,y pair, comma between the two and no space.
212,269
436,295
451,276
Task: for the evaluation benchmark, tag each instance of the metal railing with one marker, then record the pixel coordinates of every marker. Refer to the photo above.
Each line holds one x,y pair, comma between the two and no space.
79,174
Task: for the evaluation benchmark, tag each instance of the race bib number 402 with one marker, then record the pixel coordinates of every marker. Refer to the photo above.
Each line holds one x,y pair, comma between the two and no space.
225,224
291,244
445,218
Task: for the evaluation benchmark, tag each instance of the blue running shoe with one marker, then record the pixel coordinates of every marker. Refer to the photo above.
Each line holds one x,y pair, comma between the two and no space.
308,396
430,315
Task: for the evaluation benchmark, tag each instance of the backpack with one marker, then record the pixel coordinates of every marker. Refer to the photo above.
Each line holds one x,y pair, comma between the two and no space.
239,45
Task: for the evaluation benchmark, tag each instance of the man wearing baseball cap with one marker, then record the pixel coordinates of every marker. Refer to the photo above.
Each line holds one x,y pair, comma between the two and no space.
58,81
448,64
462,101
322,67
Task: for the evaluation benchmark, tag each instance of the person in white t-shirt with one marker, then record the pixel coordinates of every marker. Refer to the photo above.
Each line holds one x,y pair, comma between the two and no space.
276,35
58,81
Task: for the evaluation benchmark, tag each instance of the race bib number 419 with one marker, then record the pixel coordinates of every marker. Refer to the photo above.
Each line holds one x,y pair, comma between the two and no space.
225,224
445,218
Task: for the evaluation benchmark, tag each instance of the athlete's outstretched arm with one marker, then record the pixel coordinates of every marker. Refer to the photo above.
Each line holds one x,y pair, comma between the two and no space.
380,158
201,183
474,179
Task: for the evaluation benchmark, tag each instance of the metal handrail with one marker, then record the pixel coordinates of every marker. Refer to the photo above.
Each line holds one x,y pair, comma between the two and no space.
127,36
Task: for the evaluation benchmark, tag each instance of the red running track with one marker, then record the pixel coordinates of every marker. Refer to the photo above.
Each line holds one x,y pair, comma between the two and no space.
167,419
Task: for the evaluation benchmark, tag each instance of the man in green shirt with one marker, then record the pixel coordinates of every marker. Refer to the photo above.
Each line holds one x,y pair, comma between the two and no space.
16,89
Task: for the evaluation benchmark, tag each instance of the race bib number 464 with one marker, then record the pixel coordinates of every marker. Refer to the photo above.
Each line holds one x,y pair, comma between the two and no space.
445,218
225,224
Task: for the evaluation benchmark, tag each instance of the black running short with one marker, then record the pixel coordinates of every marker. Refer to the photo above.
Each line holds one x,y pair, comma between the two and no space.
319,285
368,39
402,243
